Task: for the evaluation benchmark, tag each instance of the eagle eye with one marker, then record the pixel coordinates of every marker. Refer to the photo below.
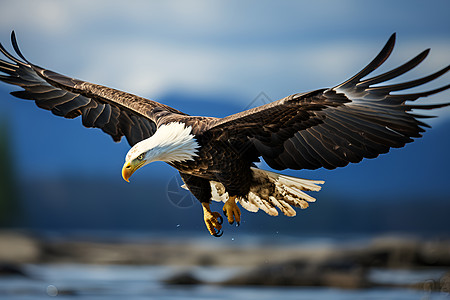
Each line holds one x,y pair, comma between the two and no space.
140,157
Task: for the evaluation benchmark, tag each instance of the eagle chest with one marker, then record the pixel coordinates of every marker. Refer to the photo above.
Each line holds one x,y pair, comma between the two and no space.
219,161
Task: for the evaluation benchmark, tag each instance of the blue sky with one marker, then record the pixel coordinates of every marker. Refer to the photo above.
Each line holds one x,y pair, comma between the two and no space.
227,51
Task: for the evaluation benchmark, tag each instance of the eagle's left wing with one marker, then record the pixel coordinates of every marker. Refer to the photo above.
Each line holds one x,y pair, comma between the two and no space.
115,112
333,127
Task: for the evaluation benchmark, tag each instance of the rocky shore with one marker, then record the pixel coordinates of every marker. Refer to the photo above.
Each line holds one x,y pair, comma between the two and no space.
346,266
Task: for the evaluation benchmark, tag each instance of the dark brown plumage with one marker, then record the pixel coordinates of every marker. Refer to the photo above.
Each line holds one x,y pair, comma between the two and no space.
332,127
324,128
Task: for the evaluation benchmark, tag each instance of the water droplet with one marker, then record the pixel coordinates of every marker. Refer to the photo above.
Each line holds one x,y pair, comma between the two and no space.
178,225
232,239
52,291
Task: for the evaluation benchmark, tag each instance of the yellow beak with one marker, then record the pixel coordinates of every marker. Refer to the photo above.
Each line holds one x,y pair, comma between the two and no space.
129,168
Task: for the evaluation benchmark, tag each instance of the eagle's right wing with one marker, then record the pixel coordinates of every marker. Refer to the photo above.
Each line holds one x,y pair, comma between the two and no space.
332,127
115,112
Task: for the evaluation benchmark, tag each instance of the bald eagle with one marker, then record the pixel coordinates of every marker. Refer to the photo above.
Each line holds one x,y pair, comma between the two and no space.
216,157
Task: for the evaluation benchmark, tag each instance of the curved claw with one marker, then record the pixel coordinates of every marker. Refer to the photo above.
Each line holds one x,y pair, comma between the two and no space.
213,220
218,234
238,224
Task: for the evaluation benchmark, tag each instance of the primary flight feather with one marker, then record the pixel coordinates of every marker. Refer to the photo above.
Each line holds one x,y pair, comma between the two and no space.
359,118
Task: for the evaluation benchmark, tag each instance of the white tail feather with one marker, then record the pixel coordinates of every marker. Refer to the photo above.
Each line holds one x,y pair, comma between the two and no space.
263,204
272,191
251,207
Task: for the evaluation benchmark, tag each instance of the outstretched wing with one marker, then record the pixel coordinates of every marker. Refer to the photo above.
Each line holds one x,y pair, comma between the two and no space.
115,112
333,127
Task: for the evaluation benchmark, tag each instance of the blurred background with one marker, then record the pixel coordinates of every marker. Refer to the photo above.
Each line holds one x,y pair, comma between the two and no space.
62,198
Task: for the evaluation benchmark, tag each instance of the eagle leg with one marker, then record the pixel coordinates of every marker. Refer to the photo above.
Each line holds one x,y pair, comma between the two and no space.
231,211
213,220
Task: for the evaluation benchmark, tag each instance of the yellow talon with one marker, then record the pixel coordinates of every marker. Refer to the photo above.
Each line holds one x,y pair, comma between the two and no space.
231,210
213,220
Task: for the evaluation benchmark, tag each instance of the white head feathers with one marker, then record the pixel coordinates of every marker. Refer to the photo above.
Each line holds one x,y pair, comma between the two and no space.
172,142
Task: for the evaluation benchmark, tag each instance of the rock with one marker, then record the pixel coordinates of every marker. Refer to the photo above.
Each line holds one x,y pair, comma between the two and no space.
18,248
404,252
295,273
8,269
185,278
354,279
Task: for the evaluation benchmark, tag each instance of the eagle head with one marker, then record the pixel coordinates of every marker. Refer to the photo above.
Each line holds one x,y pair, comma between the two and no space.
171,142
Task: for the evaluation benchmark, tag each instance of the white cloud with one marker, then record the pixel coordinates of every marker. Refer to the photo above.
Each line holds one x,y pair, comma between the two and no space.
154,47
